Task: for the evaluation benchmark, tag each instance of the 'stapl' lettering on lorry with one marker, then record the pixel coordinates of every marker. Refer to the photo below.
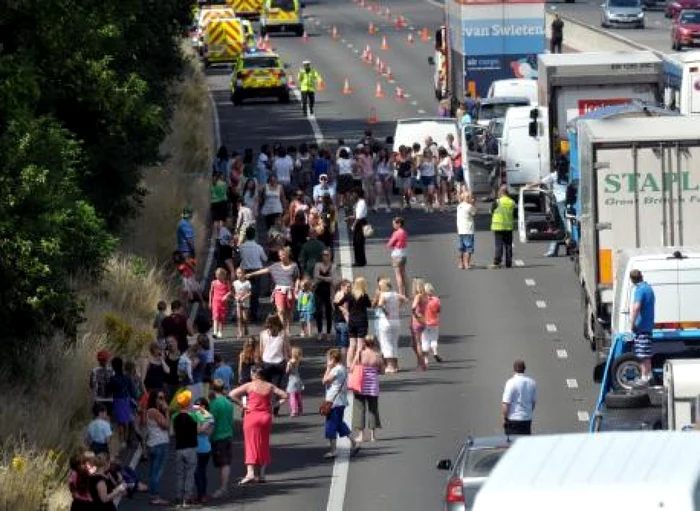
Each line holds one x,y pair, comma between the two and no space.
628,182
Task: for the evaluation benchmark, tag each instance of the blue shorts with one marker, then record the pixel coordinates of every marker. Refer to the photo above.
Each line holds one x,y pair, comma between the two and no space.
342,335
465,243
642,345
335,425
459,174
426,181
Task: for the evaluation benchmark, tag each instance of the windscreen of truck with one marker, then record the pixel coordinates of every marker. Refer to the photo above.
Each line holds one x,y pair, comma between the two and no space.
283,5
498,110
624,3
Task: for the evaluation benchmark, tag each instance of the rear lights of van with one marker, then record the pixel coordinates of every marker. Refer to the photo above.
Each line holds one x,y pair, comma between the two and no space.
455,491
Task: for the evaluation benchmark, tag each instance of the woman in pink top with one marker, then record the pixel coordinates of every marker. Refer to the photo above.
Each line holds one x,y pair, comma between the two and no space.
398,243
431,332
420,301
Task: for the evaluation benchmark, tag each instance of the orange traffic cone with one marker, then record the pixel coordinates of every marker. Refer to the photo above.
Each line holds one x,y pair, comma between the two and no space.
346,88
387,13
367,55
372,29
385,45
400,94
379,92
266,42
321,84
372,119
377,64
290,81
382,67
334,33
400,22
388,74
409,39
305,37
424,36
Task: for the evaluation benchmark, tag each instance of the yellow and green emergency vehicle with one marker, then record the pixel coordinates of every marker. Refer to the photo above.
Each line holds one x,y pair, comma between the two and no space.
282,16
259,74
248,9
225,39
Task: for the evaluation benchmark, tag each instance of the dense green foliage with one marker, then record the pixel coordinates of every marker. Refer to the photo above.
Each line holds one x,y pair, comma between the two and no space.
84,105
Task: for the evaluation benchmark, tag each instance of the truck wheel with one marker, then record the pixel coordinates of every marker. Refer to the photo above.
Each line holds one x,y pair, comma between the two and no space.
236,100
299,31
284,97
626,372
634,399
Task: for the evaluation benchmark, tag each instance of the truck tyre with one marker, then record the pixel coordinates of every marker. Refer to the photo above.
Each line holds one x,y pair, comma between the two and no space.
236,99
624,367
284,97
634,399
299,31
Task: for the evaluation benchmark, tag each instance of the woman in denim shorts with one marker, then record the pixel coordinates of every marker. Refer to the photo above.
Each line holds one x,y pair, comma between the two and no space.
340,317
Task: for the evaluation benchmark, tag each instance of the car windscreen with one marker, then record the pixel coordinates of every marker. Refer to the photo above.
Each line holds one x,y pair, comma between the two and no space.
691,18
490,111
285,5
260,63
480,462
624,3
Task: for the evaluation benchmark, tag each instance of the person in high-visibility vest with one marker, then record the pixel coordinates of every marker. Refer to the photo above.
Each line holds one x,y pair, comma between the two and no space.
308,81
502,225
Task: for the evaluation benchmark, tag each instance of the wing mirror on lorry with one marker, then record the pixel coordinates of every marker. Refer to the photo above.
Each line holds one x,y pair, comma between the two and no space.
431,61
533,128
444,464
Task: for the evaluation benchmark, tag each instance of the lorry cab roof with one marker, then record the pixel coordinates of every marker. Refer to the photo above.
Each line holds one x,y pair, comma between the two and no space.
642,470
635,108
674,128
607,58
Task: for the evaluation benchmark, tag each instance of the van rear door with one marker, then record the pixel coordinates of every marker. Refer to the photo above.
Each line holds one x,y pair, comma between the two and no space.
538,216
689,291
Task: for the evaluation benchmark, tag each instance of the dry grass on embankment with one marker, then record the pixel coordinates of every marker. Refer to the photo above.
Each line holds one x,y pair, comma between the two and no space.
41,422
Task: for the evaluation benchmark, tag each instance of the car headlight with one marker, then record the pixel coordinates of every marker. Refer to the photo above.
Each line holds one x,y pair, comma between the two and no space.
640,15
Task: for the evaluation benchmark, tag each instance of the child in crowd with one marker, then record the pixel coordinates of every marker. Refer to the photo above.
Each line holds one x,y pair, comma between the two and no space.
161,314
242,291
79,480
99,430
219,293
306,307
295,385
123,392
431,333
223,372
191,290
133,373
99,379
205,356
205,427
186,365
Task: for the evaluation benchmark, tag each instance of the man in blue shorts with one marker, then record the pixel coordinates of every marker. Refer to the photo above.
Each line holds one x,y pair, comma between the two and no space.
642,321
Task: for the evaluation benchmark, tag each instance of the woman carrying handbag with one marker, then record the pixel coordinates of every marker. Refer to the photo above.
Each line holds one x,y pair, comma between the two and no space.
364,381
335,379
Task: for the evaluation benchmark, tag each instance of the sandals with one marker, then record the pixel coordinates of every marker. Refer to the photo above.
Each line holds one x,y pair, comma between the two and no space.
246,480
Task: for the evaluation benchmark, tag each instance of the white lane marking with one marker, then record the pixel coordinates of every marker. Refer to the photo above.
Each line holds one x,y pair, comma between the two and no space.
406,95
349,45
411,28
392,81
562,353
421,112
414,103
343,41
541,304
571,383
583,416
519,262
551,327
530,282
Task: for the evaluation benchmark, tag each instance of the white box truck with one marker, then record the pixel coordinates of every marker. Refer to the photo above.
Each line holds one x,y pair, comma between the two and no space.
641,470
572,84
639,188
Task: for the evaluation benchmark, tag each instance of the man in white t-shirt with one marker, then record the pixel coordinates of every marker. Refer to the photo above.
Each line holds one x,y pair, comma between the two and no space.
518,403
466,212
283,167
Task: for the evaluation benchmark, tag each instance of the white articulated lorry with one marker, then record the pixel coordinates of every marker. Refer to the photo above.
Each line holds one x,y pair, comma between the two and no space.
640,188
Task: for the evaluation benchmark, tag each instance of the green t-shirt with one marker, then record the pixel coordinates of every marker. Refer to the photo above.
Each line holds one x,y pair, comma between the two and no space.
219,192
222,410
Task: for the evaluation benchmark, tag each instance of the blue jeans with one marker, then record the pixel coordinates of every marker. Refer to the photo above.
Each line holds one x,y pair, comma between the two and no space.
342,335
156,459
335,425
200,473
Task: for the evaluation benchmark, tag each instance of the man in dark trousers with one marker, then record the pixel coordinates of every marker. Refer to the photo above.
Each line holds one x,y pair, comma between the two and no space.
557,35
502,225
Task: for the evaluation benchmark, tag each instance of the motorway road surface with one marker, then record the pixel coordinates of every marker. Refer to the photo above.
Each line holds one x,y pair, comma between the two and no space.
490,317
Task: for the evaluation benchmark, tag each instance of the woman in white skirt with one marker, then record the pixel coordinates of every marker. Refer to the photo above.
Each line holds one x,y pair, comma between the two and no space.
388,302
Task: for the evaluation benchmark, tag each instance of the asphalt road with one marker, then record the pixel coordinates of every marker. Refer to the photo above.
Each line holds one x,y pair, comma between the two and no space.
656,34
490,317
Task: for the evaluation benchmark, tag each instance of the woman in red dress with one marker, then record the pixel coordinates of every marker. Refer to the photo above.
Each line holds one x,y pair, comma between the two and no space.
257,423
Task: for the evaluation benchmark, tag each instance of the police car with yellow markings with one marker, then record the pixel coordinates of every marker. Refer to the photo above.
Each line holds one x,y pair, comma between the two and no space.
259,74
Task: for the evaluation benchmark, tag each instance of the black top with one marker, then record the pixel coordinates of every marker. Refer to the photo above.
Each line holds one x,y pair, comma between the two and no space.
337,314
357,309
557,29
404,168
185,428
176,325
94,494
245,376
155,376
171,378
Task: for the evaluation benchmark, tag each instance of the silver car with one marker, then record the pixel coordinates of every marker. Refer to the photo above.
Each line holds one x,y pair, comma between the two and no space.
622,13
476,459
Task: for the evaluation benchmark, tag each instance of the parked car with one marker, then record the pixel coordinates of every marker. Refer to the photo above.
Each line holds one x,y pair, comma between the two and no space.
685,30
674,7
622,13
471,468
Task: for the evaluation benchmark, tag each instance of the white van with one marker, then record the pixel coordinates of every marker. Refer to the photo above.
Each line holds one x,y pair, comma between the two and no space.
514,87
526,157
640,470
673,273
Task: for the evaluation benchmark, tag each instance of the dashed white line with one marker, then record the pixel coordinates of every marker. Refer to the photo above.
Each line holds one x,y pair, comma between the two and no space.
530,282
551,327
541,304
343,41
571,383
519,262
414,103
356,51
583,416
349,45
421,112
406,95
562,353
